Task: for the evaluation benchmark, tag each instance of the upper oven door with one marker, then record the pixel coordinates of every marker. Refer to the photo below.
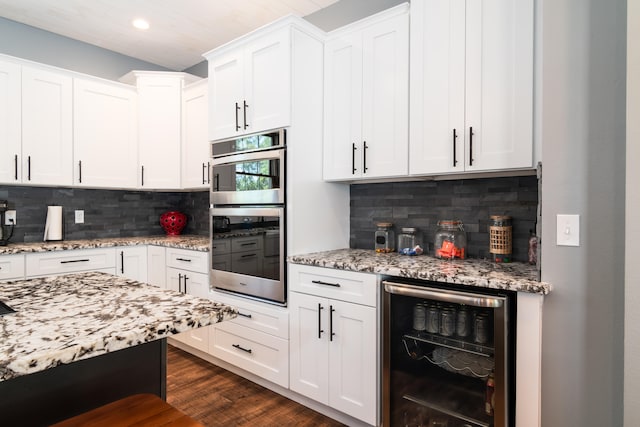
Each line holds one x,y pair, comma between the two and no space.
249,170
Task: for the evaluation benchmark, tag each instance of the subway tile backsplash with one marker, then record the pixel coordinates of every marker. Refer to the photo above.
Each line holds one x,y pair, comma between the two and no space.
107,213
422,204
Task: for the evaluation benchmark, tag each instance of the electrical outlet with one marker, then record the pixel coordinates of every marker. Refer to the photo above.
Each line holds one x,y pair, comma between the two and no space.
79,217
10,217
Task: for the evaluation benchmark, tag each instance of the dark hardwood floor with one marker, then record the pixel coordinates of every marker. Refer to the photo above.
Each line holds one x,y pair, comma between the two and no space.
217,397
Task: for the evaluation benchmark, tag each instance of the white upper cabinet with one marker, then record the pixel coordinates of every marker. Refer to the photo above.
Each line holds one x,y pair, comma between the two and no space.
249,83
159,129
47,135
105,134
10,129
195,142
471,86
366,98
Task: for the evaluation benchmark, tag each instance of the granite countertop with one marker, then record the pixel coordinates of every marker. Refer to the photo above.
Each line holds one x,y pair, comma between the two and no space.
191,242
67,318
514,276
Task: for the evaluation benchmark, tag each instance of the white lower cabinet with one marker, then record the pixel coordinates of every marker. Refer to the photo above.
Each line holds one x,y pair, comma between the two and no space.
333,342
256,341
156,266
12,267
131,262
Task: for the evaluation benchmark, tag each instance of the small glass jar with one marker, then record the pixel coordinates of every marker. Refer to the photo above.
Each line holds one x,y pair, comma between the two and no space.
384,237
450,240
409,242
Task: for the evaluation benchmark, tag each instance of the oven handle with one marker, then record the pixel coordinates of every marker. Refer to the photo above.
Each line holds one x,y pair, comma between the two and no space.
265,154
474,300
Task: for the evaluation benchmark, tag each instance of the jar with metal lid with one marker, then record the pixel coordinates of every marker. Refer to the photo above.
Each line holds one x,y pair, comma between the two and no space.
384,237
450,240
409,242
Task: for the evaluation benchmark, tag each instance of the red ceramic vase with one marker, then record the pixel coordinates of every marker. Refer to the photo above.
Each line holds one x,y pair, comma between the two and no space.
173,222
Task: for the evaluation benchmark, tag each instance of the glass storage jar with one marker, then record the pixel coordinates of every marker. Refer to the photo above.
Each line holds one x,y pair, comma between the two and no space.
409,242
450,240
384,237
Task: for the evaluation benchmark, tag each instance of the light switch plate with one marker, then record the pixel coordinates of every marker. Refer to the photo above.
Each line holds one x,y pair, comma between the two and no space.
79,217
568,230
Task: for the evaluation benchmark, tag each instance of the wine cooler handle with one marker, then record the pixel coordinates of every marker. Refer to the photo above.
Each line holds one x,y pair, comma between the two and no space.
456,297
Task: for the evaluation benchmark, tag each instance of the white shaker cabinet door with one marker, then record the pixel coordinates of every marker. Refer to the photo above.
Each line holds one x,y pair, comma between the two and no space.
47,133
159,132
131,262
308,349
195,142
499,85
352,360
156,266
437,87
343,108
385,98
225,95
105,134
267,82
10,116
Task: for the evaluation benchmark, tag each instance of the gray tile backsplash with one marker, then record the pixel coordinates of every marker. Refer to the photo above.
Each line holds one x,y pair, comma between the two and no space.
107,213
422,204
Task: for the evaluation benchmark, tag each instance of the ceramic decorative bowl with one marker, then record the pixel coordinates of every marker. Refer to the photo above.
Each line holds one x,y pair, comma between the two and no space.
173,222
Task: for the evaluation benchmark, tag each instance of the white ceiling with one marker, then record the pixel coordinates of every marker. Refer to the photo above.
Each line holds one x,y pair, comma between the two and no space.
181,30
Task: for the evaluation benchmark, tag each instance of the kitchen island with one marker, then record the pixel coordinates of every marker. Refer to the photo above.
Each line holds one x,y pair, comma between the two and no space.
81,340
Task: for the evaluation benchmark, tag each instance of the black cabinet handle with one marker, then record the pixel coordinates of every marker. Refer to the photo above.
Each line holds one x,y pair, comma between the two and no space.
470,146
248,256
364,157
353,158
248,244
244,102
208,173
204,166
74,260
80,171
16,166
239,347
248,316
320,282
142,176
29,168
183,259
185,284
331,333
237,124
320,331
455,137
179,282
122,262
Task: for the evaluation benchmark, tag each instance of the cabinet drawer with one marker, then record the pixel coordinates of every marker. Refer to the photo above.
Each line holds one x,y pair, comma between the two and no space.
61,262
188,260
221,246
259,316
350,286
11,267
256,352
249,243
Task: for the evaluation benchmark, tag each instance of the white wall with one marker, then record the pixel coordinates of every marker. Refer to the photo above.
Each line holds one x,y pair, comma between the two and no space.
632,229
583,148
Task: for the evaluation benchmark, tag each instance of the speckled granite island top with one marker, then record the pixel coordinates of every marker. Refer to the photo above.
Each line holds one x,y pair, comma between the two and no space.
63,319
473,272
192,242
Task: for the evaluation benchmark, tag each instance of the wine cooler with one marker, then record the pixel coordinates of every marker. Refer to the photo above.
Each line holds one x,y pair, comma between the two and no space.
448,356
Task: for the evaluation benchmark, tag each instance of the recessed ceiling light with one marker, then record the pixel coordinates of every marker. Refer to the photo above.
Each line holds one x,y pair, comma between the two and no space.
141,24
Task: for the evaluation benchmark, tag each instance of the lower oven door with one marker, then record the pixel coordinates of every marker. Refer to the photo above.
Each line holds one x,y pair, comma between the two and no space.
248,253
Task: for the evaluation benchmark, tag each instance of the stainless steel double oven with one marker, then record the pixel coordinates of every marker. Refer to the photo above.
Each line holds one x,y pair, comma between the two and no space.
247,216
